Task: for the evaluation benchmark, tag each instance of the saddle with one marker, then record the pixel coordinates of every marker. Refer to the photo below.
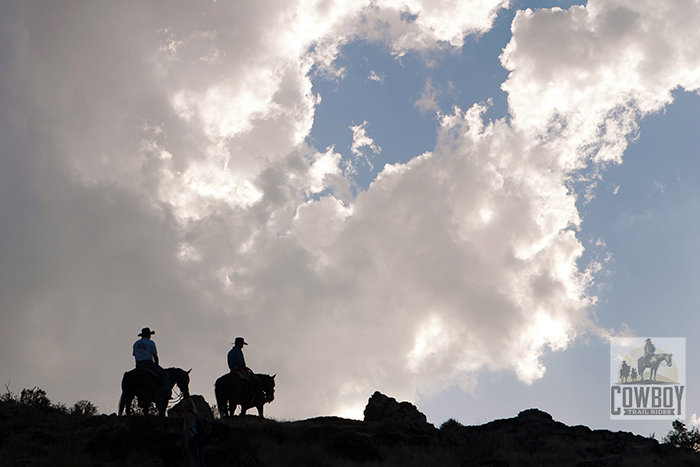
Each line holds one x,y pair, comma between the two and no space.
150,372
155,390
242,373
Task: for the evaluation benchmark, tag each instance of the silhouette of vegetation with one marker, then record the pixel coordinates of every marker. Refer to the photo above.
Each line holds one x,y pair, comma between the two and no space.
83,407
680,437
36,432
35,401
450,424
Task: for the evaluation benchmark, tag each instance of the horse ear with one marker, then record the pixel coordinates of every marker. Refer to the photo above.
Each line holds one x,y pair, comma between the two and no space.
188,371
273,376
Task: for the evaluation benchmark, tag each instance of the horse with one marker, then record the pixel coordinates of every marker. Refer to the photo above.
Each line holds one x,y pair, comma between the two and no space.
232,390
653,361
145,386
624,372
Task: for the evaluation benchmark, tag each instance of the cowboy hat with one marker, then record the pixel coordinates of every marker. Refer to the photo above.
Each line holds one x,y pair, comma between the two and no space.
146,332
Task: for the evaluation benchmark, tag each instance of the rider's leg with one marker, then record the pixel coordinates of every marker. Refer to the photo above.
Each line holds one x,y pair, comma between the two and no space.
165,384
163,375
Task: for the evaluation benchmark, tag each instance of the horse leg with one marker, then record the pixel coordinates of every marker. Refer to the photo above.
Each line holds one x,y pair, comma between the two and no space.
224,410
222,406
128,399
123,404
236,395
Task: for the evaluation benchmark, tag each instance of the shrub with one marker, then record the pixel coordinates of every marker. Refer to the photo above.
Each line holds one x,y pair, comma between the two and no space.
34,398
83,407
450,424
9,396
682,438
35,401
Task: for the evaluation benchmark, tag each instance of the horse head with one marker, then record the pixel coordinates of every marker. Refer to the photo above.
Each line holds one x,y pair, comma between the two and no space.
668,359
181,378
268,383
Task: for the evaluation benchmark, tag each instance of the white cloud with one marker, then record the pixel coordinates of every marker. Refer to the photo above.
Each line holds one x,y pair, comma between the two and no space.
155,174
360,140
427,101
373,76
588,73
421,24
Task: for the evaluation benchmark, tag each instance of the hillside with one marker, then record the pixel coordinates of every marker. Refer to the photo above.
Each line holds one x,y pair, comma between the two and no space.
34,432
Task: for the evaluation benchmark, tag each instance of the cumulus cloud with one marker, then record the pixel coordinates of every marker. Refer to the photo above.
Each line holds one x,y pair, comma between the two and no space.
154,172
589,73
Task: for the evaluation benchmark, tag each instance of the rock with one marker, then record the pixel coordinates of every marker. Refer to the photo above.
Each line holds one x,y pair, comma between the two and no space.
535,421
203,408
384,409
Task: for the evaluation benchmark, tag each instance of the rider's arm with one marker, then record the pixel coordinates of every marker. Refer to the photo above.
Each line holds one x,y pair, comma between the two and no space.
155,358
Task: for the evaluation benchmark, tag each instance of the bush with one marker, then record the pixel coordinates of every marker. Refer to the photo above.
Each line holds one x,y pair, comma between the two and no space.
9,396
682,438
35,401
83,407
450,424
34,398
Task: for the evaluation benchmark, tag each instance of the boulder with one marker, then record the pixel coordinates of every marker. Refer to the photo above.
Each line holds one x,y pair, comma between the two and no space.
384,409
535,421
203,408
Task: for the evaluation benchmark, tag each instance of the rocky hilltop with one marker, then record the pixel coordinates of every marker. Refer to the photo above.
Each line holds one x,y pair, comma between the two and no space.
392,434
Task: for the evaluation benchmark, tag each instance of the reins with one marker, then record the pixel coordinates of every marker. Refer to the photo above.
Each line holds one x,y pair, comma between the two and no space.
173,401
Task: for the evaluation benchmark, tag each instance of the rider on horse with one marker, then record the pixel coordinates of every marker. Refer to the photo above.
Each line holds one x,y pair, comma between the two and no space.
146,357
236,364
649,350
624,371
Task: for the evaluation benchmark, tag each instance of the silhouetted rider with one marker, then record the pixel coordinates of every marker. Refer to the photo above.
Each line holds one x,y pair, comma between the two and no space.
236,360
146,356
649,348
236,363
624,371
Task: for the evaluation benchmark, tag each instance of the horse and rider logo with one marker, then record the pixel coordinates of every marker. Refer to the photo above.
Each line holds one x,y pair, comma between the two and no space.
647,378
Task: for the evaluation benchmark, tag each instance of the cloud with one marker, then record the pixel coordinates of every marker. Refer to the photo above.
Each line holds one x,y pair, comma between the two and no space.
361,140
155,173
587,74
422,25
427,101
373,76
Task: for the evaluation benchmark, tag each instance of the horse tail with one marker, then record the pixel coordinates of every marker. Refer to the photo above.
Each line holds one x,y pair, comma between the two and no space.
122,399
221,399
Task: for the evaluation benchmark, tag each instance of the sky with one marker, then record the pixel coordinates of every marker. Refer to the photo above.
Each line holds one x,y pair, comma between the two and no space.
455,203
